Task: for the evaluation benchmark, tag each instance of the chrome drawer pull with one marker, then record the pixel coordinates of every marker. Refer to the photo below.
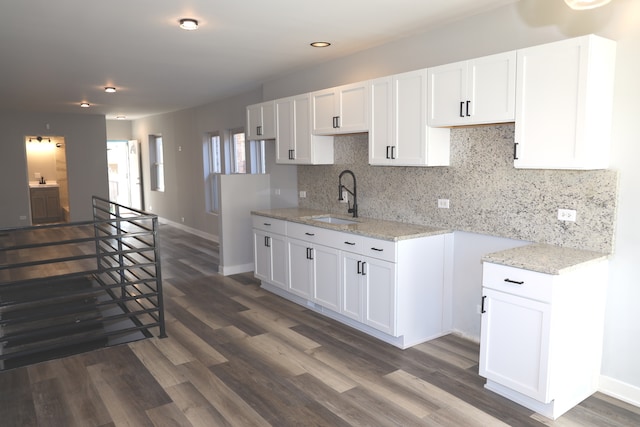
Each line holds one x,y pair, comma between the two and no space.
515,282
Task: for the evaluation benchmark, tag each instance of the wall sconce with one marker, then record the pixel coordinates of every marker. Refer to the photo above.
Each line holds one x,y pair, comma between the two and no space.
585,4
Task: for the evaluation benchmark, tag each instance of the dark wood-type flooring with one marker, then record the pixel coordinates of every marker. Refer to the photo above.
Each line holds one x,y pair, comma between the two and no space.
239,356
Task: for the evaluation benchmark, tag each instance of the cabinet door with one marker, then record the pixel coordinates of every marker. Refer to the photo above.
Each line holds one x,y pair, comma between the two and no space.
353,108
302,141
381,131
564,98
268,130
447,94
491,88
261,256
326,282
323,111
352,292
514,343
284,130
410,118
254,122
279,260
300,267
379,279
261,121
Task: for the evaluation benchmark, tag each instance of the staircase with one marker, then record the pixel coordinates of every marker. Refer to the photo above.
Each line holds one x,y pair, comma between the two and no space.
70,288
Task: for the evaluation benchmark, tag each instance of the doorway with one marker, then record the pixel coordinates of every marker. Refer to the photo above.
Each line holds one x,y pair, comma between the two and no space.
125,183
47,179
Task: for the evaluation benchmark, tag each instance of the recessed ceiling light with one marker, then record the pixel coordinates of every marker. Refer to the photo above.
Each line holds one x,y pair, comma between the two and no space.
110,89
121,117
320,44
85,104
188,24
585,4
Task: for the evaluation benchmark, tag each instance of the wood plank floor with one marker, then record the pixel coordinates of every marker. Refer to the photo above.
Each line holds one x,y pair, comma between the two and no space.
239,356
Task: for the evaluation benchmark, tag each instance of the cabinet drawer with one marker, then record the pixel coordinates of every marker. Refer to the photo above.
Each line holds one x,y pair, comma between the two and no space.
308,233
517,281
345,241
380,249
277,226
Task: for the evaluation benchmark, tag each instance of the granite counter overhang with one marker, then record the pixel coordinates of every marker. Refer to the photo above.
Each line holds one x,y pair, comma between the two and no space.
369,227
544,258
537,257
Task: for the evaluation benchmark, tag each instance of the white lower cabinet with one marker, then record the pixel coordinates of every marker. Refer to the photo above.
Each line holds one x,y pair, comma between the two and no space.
369,291
541,339
270,250
314,272
393,290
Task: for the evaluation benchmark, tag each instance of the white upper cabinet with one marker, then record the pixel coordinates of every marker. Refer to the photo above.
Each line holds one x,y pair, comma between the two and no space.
261,121
399,135
477,91
343,109
294,142
564,104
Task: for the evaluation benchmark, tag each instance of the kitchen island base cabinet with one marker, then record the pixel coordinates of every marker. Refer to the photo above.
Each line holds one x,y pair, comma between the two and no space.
541,339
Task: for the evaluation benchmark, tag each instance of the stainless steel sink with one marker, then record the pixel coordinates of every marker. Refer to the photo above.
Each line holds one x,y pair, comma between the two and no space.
334,220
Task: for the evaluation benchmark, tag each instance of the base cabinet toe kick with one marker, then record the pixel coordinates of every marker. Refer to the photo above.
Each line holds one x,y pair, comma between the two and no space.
396,291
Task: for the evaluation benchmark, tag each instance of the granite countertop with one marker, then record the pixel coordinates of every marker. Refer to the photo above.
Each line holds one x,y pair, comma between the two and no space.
369,227
544,258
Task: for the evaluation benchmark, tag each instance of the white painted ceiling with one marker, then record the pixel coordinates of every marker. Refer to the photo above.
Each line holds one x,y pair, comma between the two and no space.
55,54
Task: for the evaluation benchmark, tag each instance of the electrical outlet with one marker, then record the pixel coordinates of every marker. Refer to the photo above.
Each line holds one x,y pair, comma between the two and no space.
303,194
277,191
567,215
443,203
181,219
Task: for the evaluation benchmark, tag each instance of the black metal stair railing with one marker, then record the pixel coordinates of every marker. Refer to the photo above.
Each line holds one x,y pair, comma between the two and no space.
67,288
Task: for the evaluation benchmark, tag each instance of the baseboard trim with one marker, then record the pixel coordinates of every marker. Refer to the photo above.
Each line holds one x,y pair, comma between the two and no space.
191,230
622,391
235,269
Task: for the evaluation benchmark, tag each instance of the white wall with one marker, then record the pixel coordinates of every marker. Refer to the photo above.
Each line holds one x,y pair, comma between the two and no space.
119,130
86,153
526,23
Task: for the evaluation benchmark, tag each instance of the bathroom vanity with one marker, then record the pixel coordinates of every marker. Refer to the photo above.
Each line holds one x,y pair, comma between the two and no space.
45,203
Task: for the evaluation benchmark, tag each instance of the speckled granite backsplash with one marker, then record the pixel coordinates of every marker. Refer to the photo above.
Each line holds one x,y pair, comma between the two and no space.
487,194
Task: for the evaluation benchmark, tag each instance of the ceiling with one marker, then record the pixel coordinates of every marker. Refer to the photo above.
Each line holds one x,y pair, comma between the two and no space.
56,54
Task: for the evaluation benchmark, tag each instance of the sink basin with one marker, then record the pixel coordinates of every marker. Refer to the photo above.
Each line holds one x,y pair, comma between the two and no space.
334,220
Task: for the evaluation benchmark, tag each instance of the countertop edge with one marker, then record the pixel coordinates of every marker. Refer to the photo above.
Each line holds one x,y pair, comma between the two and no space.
367,227
544,258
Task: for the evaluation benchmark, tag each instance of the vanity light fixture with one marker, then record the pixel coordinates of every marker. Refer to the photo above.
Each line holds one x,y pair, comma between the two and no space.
110,89
188,24
585,4
320,44
85,104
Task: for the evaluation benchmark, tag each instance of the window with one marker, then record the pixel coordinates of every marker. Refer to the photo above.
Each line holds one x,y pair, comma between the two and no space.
238,151
212,155
156,162
228,154
257,157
